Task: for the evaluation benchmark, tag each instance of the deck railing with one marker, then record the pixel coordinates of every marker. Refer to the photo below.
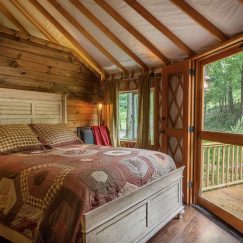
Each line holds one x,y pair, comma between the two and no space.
222,165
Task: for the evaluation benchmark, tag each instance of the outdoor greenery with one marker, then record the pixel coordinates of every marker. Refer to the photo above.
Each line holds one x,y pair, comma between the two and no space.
128,115
223,96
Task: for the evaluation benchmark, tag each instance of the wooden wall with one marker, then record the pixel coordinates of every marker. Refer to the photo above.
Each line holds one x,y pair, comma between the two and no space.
81,113
30,63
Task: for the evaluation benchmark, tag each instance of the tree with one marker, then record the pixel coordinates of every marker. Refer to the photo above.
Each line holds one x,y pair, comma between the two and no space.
223,105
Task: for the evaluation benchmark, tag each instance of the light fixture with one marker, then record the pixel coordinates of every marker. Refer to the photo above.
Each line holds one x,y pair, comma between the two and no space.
99,109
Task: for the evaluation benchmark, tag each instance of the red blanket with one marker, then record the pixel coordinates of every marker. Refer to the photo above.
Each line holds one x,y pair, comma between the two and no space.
101,135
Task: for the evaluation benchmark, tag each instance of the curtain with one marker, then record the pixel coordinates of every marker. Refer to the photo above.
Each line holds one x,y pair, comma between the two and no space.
143,111
110,110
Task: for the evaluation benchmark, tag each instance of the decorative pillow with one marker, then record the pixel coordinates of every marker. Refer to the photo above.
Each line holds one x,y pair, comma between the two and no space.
17,138
54,135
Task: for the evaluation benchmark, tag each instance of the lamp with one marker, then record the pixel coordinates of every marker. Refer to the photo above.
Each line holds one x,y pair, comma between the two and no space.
99,106
99,109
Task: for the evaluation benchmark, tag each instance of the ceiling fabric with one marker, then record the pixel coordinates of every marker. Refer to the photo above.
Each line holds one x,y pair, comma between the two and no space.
226,15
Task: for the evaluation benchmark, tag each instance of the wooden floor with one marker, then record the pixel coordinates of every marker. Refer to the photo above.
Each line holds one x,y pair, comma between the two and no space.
194,227
230,199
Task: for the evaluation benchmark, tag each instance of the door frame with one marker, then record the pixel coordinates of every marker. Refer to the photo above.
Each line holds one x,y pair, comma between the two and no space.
199,134
184,68
198,62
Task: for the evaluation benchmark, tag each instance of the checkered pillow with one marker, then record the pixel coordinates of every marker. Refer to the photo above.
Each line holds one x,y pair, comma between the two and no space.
17,138
54,135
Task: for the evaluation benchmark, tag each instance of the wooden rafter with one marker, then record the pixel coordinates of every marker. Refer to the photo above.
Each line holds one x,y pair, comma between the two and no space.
159,26
184,6
12,18
107,32
114,14
35,22
81,51
84,32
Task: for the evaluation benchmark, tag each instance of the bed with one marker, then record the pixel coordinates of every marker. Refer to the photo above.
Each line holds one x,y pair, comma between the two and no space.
131,193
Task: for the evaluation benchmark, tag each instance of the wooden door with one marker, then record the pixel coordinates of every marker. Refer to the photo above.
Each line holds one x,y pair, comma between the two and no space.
218,146
176,118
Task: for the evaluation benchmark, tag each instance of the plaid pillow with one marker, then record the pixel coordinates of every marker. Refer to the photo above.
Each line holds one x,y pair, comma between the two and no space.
17,138
54,135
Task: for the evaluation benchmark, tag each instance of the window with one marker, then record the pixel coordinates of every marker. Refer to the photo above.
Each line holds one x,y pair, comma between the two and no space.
128,115
223,95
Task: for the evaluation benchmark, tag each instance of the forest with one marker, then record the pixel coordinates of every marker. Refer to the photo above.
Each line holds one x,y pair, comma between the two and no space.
128,115
223,95
128,112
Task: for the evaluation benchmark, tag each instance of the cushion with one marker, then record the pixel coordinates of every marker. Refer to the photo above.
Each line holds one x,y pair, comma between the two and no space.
17,138
54,135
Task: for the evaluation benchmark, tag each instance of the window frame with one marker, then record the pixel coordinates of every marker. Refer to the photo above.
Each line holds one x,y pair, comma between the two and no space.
213,135
125,92
135,91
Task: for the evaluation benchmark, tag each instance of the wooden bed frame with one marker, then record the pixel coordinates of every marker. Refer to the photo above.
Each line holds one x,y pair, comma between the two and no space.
135,217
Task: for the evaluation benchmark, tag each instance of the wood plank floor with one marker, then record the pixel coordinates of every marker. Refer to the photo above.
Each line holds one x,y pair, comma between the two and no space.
194,227
229,198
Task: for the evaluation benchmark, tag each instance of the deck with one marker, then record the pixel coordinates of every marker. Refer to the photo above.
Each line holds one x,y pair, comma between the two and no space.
229,198
222,182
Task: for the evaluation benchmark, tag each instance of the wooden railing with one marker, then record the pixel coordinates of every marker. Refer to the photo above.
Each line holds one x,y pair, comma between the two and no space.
222,165
133,144
128,143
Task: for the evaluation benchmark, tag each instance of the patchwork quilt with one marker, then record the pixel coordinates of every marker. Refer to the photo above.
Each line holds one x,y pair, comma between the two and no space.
44,193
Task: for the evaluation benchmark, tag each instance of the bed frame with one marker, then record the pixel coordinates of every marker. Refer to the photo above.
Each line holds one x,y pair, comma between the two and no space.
135,217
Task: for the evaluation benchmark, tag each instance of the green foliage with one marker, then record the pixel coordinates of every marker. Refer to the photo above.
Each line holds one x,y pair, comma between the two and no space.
223,97
122,111
128,112
128,115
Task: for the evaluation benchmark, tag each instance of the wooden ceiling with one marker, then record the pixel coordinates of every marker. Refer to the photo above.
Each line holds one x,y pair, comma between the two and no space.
112,36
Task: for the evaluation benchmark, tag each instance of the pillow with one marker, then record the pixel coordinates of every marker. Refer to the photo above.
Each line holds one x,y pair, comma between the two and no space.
54,135
17,138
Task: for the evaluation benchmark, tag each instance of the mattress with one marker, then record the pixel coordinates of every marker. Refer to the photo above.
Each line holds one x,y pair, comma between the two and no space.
44,193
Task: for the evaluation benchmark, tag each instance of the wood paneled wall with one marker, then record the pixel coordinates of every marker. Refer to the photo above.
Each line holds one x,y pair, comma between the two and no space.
81,113
30,63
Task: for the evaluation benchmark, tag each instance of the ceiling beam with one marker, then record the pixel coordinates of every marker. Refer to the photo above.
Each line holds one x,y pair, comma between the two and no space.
12,18
159,26
42,29
190,11
114,14
32,20
81,51
107,32
87,35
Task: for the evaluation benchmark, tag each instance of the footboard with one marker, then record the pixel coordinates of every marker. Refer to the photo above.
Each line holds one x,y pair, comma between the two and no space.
137,216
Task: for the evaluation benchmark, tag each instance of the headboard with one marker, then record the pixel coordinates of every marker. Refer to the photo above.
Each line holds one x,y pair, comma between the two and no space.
26,107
